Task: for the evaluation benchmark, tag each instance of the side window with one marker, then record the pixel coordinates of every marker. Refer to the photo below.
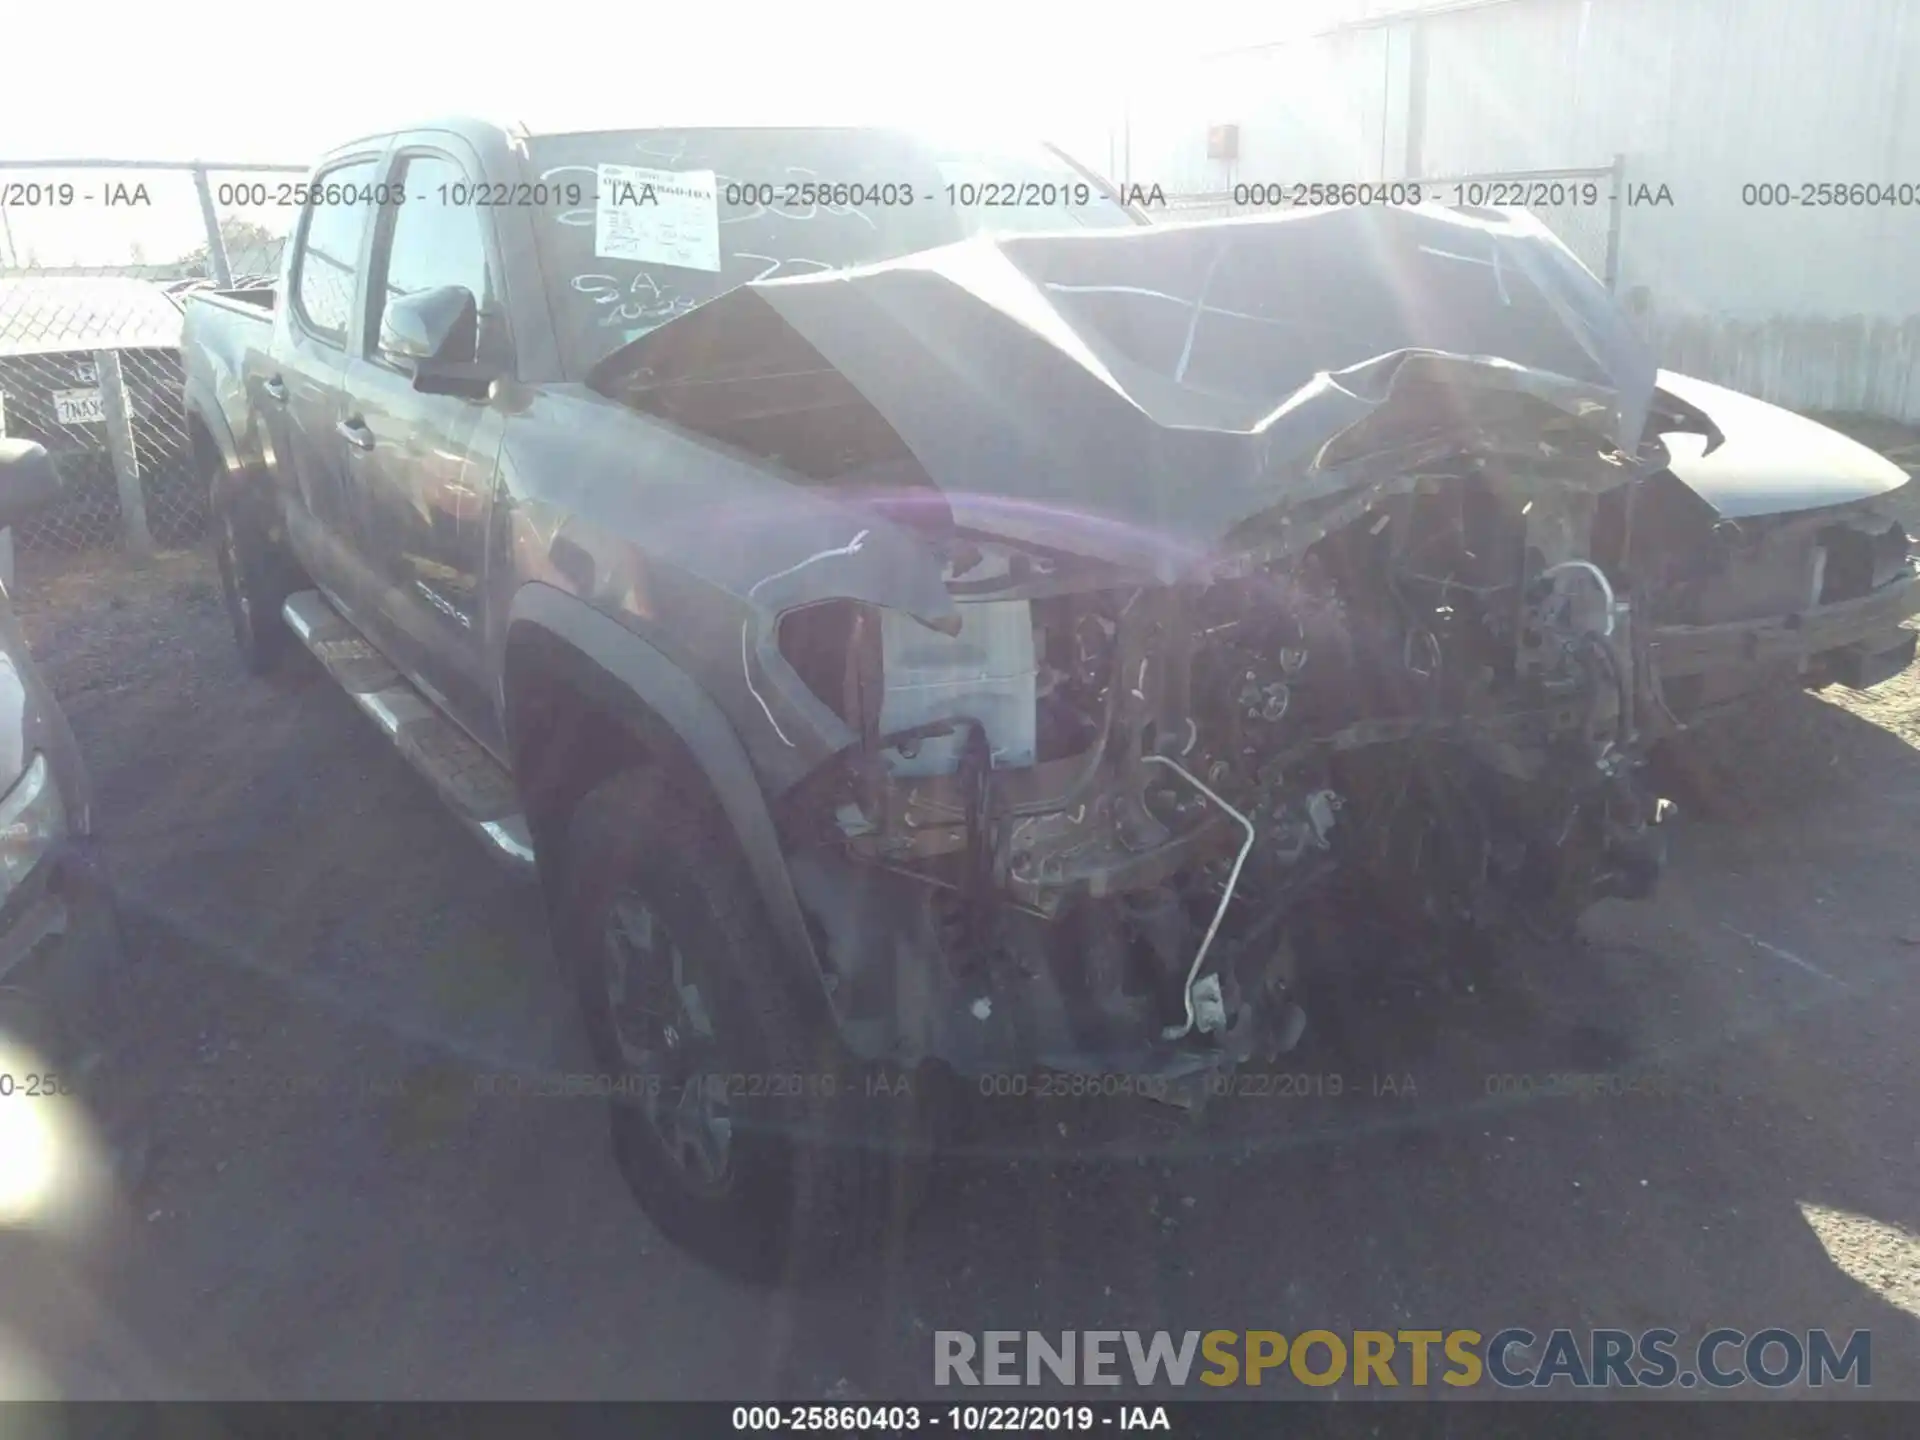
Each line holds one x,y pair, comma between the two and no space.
438,240
323,285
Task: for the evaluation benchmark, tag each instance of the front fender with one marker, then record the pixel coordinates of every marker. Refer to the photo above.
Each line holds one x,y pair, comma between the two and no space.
656,696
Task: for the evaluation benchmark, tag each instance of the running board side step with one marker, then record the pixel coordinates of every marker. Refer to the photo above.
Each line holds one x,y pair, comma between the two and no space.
472,784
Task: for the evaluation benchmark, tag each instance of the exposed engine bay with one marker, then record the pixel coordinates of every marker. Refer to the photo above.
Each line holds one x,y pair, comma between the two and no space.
1114,601
1080,827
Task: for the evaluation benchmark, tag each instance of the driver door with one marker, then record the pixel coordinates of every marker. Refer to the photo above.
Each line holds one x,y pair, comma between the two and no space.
422,466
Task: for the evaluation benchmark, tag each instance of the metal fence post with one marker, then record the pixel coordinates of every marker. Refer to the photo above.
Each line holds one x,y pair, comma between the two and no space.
126,463
1614,211
216,243
1418,66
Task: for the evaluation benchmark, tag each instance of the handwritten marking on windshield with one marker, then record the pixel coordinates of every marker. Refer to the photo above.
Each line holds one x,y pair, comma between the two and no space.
642,299
574,217
775,266
779,209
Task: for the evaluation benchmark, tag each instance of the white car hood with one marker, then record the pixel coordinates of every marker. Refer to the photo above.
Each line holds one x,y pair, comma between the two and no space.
1773,461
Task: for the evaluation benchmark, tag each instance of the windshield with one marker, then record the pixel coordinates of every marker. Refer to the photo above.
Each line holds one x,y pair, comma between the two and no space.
669,219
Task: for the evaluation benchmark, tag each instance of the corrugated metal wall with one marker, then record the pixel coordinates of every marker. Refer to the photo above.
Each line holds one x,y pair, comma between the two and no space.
1809,306
1316,110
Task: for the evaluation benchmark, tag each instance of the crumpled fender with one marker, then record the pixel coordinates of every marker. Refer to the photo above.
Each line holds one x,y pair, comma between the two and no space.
656,695
1773,462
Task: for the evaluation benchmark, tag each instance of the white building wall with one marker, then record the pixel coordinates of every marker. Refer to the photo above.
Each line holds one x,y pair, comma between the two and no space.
1816,307
1319,109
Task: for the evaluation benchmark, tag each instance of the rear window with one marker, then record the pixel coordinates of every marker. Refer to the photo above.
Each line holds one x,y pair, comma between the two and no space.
762,214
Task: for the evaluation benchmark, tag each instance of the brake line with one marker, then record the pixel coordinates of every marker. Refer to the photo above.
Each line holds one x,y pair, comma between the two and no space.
1587,567
1179,1032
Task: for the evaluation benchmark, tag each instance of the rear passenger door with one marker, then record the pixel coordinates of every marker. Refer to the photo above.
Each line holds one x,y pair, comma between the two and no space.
423,465
298,390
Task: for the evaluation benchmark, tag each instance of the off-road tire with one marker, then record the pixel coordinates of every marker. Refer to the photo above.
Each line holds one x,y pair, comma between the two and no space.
255,580
793,1209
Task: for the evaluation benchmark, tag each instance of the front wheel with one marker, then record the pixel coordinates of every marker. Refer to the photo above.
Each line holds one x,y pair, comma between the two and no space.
727,1078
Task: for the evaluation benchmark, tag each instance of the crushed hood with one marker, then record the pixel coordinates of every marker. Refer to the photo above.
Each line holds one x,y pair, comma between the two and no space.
1148,389
1771,460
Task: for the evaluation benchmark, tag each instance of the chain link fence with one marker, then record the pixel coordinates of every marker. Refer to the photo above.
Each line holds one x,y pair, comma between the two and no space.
96,259
1582,205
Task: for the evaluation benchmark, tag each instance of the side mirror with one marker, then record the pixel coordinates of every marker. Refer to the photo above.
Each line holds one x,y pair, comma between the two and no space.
436,335
29,480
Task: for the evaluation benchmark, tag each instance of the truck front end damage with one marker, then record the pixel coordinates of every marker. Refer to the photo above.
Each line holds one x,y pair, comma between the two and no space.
1091,846
1226,629
1772,553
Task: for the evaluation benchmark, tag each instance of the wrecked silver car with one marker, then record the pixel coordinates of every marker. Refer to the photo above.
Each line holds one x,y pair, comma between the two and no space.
894,641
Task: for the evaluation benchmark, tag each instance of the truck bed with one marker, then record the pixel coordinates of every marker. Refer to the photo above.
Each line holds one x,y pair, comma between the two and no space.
247,302
219,331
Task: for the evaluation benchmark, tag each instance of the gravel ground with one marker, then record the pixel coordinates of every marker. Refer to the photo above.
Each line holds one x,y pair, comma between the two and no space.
324,961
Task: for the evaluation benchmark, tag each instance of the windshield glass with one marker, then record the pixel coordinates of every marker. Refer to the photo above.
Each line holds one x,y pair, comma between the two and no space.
668,219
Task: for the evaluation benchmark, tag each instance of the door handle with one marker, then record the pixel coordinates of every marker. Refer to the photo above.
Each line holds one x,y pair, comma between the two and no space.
276,388
355,433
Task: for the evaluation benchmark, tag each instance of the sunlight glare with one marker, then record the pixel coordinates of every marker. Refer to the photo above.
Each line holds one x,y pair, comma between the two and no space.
1877,1254
49,1169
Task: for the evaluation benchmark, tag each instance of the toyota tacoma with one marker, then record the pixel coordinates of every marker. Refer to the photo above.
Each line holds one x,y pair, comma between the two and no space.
905,636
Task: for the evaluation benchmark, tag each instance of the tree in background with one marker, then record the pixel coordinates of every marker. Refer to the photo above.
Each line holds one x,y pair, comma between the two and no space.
249,247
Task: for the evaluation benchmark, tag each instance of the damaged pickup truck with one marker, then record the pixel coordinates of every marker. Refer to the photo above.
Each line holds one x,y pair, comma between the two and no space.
896,642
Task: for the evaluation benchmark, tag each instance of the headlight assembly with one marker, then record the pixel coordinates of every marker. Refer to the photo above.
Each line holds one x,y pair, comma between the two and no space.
32,821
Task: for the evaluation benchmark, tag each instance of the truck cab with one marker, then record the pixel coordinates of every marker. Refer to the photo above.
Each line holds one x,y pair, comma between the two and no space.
384,484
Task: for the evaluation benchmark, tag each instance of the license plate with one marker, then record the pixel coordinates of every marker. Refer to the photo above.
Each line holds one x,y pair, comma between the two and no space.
78,407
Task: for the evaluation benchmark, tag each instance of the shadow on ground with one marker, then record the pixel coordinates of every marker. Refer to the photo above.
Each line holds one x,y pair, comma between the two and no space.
1699,1115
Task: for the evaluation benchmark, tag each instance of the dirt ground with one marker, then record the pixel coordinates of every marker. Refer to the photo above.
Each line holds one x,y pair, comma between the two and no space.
323,962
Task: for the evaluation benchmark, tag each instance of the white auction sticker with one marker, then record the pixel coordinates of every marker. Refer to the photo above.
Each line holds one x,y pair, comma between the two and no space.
659,217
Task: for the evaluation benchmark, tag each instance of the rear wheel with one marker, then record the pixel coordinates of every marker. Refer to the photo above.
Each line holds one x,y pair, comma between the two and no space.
255,581
726,1075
